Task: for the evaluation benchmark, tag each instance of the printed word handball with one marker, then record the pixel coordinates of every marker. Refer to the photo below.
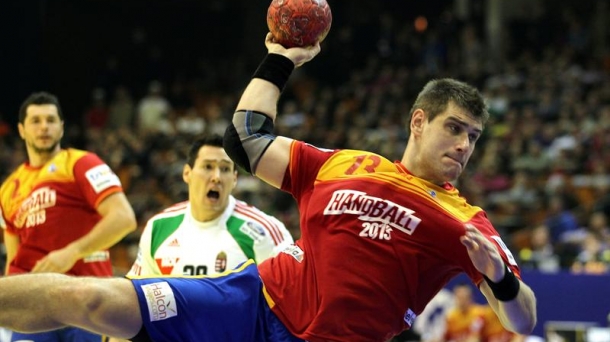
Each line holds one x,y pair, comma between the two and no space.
299,22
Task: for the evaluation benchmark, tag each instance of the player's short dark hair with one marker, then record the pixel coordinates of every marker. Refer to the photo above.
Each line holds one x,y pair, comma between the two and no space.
200,141
39,98
436,95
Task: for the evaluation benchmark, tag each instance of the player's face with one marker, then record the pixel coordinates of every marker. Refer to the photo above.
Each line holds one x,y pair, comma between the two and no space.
446,143
42,129
211,180
463,296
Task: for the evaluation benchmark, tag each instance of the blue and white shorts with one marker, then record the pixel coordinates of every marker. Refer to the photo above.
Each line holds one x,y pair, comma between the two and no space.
225,307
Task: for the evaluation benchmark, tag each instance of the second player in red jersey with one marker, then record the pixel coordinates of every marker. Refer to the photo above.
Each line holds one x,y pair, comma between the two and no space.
61,209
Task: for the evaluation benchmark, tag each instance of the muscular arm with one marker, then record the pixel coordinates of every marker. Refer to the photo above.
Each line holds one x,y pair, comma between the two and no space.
262,96
42,302
118,219
518,314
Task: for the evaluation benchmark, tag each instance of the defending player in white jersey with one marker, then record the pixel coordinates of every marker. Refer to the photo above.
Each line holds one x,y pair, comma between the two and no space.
212,231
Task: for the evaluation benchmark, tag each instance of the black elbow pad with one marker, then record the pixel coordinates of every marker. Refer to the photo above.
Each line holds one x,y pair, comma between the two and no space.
247,137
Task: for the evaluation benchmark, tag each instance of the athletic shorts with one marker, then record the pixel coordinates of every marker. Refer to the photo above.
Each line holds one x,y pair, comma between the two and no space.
225,307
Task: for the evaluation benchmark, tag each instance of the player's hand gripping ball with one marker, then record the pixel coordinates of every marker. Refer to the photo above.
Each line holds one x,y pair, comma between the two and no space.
299,22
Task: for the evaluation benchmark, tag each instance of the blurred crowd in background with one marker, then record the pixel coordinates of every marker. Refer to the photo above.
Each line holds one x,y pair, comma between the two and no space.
541,169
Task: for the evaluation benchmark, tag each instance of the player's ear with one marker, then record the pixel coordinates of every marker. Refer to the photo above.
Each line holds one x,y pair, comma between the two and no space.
234,178
21,130
186,173
418,120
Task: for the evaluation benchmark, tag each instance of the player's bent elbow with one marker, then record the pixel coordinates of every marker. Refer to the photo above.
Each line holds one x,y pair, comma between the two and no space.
128,217
131,222
524,326
527,327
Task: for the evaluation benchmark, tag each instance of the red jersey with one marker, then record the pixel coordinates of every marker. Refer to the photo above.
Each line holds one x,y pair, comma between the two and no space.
377,243
50,206
465,325
493,330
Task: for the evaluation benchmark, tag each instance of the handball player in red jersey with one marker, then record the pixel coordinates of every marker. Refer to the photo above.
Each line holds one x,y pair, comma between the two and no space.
379,238
60,210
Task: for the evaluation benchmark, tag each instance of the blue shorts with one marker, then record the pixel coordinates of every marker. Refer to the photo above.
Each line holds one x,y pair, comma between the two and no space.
61,335
226,307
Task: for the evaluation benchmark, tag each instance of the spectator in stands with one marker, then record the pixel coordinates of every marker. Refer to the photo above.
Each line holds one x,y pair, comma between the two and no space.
190,122
533,161
597,225
540,254
122,109
594,257
560,219
153,112
96,116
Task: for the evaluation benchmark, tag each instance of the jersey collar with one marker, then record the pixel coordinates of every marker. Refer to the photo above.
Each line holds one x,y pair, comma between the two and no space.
403,169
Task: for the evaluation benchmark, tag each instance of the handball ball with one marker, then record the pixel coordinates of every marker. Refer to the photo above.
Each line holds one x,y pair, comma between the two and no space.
299,22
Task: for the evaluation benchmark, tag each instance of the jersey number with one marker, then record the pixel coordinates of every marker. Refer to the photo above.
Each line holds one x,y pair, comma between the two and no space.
370,163
195,270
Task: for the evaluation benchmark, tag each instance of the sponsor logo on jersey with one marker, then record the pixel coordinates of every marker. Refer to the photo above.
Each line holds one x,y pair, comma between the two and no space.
174,243
33,210
166,265
221,262
160,300
52,168
509,254
254,230
386,214
101,178
295,251
98,256
410,317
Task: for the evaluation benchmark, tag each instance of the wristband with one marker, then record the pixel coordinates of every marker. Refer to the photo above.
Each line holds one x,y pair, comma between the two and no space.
507,288
275,69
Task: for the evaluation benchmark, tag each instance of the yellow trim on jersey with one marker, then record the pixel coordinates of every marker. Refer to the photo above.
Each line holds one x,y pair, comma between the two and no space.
268,298
353,164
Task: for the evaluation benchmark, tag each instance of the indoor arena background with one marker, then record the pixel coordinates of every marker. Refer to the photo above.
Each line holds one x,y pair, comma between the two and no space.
541,170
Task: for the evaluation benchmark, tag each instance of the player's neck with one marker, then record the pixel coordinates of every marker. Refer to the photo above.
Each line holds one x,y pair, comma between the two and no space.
38,159
205,215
